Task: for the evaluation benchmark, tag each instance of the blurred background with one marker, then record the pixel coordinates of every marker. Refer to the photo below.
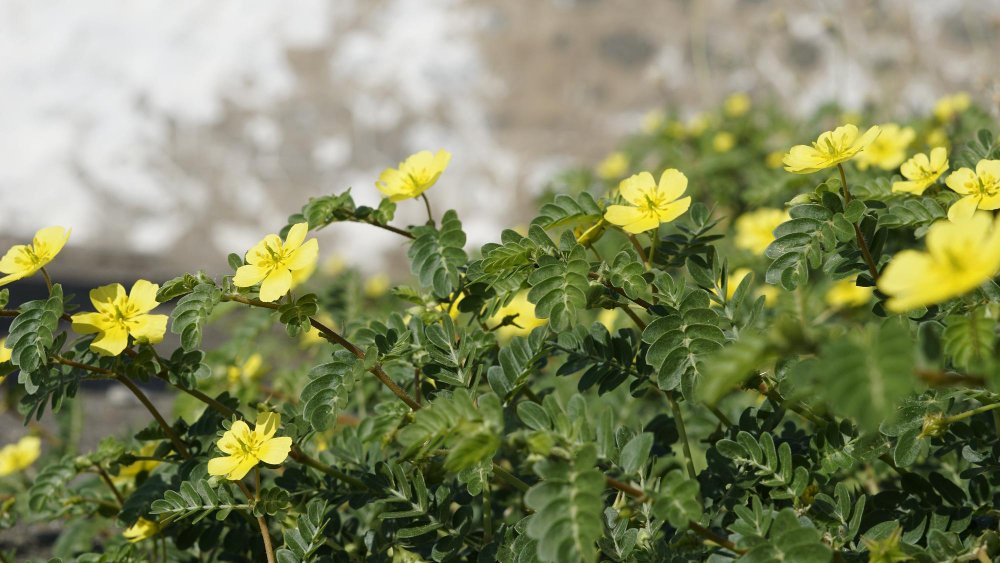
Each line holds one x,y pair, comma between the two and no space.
167,134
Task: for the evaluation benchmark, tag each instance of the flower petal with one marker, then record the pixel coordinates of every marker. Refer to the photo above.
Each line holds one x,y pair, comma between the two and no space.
111,341
964,208
622,215
49,241
88,323
674,210
267,424
106,297
143,296
15,259
304,256
634,188
296,235
673,182
962,181
148,328
249,275
275,450
240,471
275,285
222,465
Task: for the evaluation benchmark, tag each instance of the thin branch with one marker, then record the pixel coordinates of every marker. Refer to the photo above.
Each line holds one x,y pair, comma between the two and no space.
111,485
865,251
390,228
714,538
682,432
640,302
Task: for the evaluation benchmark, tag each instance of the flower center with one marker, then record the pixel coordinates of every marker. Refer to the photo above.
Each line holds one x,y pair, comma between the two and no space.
988,186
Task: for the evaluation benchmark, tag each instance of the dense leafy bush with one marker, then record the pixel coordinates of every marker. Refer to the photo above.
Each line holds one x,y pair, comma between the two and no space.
722,361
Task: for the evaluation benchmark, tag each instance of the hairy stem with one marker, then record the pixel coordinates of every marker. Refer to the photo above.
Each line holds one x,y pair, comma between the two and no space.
865,251
682,432
111,485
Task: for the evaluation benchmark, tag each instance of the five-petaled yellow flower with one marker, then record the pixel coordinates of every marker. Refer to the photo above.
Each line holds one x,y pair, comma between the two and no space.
614,166
949,106
980,189
960,257
755,230
414,176
19,456
523,316
246,448
23,260
119,315
142,529
847,293
888,150
275,264
649,204
922,171
736,104
830,149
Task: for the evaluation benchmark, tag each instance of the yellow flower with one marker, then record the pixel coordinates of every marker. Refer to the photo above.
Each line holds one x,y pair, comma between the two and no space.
376,286
119,315
23,260
653,121
949,106
773,159
846,293
981,189
614,166
142,529
651,204
248,371
755,230
960,257
888,150
609,318
19,456
920,171
524,319
246,448
938,137
274,264
736,104
414,175
697,124
830,149
5,352
723,141
127,473
770,293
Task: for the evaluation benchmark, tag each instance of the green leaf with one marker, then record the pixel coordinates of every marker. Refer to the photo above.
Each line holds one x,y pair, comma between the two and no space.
627,272
297,314
677,500
970,340
680,342
33,334
328,390
568,503
453,420
195,499
189,317
568,211
559,288
634,455
436,255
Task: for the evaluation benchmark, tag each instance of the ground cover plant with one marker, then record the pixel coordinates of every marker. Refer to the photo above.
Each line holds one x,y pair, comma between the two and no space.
726,341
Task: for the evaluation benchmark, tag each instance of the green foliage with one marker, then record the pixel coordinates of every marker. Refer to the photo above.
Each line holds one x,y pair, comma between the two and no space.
196,500
425,426
436,255
33,334
680,341
189,317
567,504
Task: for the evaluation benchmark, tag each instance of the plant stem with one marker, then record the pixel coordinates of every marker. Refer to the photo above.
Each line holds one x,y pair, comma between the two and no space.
510,478
427,204
391,229
265,534
969,413
714,538
335,338
638,494
639,249
682,432
632,315
167,429
640,302
865,251
111,485
48,280
652,245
